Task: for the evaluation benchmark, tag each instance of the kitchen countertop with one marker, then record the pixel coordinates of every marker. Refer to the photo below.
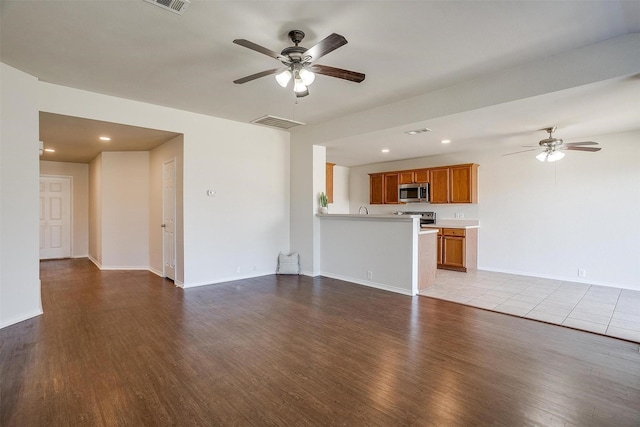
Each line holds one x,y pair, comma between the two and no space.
454,223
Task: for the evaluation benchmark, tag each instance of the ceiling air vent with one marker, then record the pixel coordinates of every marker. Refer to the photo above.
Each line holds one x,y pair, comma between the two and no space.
175,6
277,122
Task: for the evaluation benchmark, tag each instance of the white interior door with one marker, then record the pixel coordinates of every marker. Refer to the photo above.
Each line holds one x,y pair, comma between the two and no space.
169,219
55,217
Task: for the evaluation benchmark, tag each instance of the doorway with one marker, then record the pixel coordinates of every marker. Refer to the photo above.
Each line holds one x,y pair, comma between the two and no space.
55,217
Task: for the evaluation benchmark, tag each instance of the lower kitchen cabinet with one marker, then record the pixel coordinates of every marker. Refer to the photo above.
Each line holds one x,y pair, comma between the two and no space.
457,249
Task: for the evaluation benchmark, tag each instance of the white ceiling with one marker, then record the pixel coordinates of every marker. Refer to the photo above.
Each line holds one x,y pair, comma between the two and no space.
135,50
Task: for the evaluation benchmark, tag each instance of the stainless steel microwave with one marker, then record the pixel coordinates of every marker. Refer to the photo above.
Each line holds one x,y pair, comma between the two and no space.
413,193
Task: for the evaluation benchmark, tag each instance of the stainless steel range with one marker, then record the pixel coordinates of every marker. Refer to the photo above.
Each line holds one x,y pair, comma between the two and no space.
426,218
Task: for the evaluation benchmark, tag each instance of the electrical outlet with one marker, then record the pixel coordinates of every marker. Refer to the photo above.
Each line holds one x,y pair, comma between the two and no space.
369,275
237,269
461,215
582,272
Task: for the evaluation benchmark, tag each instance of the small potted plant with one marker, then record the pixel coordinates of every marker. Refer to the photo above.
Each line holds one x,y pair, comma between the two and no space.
324,202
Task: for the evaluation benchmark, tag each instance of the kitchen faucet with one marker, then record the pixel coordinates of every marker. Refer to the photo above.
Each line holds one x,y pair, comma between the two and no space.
366,210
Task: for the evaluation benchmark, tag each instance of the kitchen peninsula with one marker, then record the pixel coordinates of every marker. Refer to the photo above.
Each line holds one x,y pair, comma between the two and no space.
389,252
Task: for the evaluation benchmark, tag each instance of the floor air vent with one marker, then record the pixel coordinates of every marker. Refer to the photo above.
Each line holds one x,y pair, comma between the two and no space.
175,6
277,122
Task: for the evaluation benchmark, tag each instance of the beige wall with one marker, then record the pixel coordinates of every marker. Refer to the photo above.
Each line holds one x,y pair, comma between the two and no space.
95,210
79,172
125,210
170,150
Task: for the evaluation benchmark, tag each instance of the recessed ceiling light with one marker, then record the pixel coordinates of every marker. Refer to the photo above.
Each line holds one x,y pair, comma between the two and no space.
445,141
385,150
417,131
105,138
49,150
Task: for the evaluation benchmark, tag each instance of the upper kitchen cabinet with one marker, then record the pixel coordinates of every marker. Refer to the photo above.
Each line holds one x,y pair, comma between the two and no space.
454,184
448,184
406,177
414,176
376,188
463,187
420,176
439,185
391,181
329,181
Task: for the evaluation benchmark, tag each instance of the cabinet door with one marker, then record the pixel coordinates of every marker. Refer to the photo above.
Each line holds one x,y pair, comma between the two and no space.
464,184
329,181
439,185
421,175
376,189
439,262
391,188
406,177
453,251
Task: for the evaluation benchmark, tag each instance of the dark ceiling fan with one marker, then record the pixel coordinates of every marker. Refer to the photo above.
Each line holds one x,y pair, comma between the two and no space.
552,147
299,63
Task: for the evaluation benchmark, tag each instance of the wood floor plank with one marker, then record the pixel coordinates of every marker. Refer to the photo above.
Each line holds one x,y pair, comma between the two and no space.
129,348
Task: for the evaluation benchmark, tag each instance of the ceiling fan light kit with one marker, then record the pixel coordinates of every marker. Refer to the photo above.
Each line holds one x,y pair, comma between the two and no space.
298,62
552,147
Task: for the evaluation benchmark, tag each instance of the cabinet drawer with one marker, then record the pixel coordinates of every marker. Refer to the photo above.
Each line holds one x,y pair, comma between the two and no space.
460,232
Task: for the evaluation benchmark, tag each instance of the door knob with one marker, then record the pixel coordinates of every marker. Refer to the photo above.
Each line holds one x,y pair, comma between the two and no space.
163,225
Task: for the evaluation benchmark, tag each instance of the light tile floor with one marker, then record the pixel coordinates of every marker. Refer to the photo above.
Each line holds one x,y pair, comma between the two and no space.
604,310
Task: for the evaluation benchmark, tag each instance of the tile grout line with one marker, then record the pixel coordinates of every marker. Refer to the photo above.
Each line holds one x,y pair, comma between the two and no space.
614,310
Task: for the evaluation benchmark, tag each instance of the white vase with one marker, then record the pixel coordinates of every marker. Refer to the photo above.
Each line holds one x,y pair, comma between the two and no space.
324,209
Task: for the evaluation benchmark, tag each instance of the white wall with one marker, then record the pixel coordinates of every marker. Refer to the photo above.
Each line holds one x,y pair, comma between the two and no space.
80,201
240,231
340,190
547,219
125,210
19,188
170,150
386,247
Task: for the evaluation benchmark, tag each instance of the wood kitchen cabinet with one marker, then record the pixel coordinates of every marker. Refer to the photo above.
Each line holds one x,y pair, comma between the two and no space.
447,184
406,177
454,184
376,189
421,175
457,249
439,185
391,181
463,187
329,181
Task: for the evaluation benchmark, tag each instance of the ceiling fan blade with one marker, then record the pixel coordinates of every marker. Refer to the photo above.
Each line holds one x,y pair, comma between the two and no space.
337,72
327,45
302,94
518,152
592,149
571,144
260,49
257,75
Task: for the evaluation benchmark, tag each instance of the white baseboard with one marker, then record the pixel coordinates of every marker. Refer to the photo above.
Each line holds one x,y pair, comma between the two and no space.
21,318
564,279
369,284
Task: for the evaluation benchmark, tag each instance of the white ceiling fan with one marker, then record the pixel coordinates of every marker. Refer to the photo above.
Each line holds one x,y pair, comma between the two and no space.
552,147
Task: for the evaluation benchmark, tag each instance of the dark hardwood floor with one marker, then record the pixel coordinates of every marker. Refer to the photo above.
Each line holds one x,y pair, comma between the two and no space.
128,348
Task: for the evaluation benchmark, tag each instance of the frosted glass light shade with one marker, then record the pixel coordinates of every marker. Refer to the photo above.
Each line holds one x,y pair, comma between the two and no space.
555,155
550,156
283,78
307,76
542,156
299,86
